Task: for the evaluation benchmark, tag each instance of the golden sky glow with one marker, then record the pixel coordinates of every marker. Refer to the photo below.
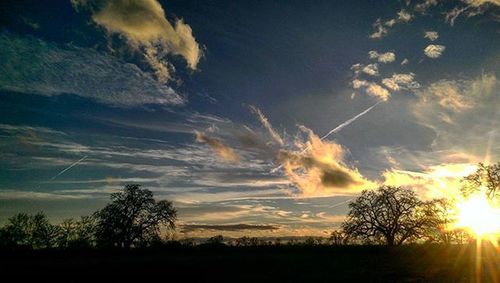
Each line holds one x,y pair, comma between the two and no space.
479,215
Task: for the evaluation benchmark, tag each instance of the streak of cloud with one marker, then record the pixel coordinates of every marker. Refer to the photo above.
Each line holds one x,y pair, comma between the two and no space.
265,123
222,150
348,122
470,8
69,167
186,228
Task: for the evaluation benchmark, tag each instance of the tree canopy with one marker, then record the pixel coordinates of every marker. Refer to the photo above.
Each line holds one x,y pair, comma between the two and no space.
33,231
133,217
487,177
391,214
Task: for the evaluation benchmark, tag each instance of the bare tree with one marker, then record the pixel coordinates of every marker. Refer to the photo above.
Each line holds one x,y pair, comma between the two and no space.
487,176
133,217
390,213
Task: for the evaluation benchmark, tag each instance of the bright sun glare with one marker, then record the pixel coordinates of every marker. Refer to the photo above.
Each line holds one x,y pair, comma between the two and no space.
479,215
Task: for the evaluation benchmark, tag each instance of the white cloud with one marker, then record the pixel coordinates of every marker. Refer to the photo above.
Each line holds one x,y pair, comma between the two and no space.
359,83
404,16
144,26
470,8
401,81
386,57
464,115
380,29
458,96
431,35
434,51
425,5
376,90
390,22
478,3
405,61
356,68
372,89
371,69
57,70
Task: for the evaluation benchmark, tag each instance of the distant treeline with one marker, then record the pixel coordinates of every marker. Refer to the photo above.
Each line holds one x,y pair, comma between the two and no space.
389,215
132,218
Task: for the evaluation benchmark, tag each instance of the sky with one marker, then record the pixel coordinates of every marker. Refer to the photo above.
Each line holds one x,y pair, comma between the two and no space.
259,118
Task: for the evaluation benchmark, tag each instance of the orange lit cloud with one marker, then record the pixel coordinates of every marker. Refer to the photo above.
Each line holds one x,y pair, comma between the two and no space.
440,181
222,150
319,170
144,25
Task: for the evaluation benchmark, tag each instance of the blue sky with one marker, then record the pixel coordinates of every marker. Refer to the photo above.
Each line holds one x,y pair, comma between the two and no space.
220,105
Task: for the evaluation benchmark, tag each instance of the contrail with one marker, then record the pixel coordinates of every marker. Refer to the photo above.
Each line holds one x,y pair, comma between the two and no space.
346,123
69,167
336,130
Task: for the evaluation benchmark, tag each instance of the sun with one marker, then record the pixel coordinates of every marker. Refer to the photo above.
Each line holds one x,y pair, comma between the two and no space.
479,215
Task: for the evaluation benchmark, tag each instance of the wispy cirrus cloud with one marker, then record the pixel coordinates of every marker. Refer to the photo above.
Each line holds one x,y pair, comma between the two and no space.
222,150
56,70
265,123
186,228
464,115
470,8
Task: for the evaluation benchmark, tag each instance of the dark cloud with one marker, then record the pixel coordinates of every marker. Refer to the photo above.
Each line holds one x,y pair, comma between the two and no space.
228,227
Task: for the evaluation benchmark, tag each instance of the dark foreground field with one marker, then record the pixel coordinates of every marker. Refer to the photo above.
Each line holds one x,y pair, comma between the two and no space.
426,263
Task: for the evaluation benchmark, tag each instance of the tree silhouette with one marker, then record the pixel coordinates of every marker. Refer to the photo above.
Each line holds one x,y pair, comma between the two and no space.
487,176
32,231
390,213
133,217
217,240
338,238
77,233
442,215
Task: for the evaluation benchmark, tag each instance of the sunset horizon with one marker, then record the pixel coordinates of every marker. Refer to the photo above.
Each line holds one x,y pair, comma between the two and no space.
179,124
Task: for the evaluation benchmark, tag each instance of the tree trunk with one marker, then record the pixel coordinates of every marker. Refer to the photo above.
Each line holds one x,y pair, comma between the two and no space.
390,240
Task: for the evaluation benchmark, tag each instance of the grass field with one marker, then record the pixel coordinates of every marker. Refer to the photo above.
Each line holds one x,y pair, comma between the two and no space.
419,263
